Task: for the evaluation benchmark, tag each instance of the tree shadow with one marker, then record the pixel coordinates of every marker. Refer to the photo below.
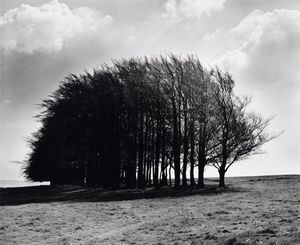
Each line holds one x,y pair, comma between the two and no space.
67,193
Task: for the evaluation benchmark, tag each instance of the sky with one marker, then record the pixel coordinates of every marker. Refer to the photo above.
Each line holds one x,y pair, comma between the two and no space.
257,41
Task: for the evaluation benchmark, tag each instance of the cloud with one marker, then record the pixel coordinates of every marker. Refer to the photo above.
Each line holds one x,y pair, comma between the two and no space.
265,41
263,54
191,9
46,28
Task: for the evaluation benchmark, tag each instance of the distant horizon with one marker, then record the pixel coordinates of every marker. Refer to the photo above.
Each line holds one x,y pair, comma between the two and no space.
206,177
28,183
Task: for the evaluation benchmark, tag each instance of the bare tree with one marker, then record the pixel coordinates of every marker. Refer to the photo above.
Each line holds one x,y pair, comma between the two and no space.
238,133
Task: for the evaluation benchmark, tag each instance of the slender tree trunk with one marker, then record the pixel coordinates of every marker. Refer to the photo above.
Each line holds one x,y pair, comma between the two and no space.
192,154
141,153
157,154
201,164
201,176
149,169
176,146
146,149
185,148
222,170
164,180
170,173
152,162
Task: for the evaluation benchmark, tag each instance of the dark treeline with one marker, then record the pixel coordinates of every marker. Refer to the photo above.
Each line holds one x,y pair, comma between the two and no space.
142,122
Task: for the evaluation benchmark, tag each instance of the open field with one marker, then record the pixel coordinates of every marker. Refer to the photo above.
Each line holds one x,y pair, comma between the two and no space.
252,210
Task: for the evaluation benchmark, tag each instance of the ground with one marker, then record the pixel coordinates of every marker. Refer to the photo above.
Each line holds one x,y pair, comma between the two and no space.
252,210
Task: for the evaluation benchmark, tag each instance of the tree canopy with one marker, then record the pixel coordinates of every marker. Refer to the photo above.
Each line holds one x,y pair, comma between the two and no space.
141,122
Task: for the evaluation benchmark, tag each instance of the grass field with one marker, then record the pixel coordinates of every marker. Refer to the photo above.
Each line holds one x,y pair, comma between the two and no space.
252,210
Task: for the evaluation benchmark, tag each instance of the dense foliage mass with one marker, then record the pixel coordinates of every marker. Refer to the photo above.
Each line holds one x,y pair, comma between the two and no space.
143,122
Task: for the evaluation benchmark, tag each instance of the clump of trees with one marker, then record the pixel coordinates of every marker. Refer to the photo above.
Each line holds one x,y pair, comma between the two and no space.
142,122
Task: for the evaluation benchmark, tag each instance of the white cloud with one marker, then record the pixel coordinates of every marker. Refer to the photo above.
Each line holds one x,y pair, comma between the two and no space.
267,42
191,9
263,54
46,28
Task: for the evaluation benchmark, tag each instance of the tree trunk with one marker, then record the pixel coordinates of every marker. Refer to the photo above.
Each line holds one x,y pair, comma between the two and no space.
192,155
164,174
222,170
146,149
176,146
170,173
201,163
152,162
185,149
157,156
222,178
201,176
141,153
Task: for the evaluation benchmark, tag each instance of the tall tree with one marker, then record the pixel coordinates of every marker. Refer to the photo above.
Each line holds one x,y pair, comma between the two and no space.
239,134
139,121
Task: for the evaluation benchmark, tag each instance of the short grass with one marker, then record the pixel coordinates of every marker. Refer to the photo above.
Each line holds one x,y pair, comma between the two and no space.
252,210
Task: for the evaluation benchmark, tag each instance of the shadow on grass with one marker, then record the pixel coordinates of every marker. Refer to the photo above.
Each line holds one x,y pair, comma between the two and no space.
46,194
